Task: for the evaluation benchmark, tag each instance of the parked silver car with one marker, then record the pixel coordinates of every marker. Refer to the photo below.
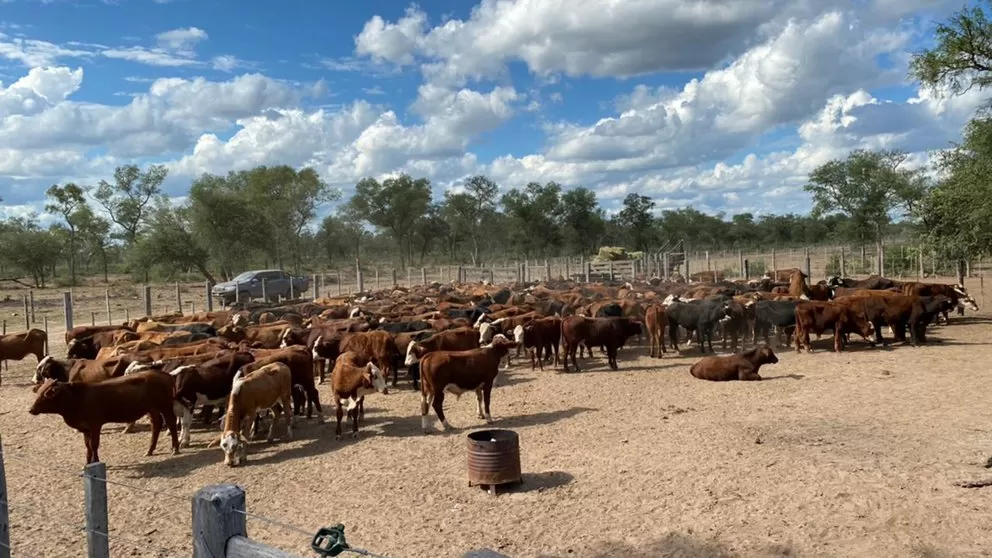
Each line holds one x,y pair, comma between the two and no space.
248,285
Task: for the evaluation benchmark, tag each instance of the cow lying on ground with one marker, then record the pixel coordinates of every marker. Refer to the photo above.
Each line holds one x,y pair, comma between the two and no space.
264,388
352,379
87,407
457,372
743,366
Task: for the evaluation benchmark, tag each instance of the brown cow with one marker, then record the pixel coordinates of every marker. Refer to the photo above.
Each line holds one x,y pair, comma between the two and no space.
817,317
610,333
270,336
80,370
542,336
742,367
460,339
264,388
16,346
457,372
654,322
79,332
374,346
352,379
87,407
300,362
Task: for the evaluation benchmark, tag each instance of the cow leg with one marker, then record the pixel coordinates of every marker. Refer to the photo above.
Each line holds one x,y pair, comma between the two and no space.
361,408
169,414
313,400
575,363
438,405
156,419
557,361
287,413
128,427
89,448
272,428
425,405
478,400
94,445
533,354
611,356
339,411
353,414
487,392
187,423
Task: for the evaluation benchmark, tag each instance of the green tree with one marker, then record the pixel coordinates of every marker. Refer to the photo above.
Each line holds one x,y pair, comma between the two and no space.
29,248
957,213
868,187
636,221
130,197
94,233
467,212
532,216
582,221
962,56
67,201
394,206
169,243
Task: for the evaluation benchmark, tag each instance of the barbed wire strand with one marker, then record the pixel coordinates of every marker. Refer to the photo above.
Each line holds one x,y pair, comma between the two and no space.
128,539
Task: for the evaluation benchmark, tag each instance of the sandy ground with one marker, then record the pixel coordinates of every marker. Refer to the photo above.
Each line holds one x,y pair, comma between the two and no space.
835,455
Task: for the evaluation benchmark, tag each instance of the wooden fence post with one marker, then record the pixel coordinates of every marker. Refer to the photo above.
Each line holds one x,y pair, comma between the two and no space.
179,298
747,269
292,288
316,287
27,314
568,272
809,270
218,515
921,263
4,510
665,270
339,284
461,274
708,268
611,270
97,524
774,265
395,284
360,280
67,309
547,269
45,318
843,263
110,317
92,318
423,276
148,300
265,294
34,317
207,288
377,287
740,260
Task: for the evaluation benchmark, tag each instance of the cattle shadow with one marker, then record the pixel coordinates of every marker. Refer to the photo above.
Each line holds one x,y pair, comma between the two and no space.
966,320
783,377
198,455
673,545
546,417
538,482
404,427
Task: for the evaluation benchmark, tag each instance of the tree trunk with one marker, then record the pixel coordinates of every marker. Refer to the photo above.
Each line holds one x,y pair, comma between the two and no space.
204,271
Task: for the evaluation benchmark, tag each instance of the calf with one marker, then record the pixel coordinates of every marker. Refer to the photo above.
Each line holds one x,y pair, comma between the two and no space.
375,346
610,333
457,372
208,383
80,332
16,346
300,362
742,367
87,407
352,379
264,388
654,321
542,336
269,336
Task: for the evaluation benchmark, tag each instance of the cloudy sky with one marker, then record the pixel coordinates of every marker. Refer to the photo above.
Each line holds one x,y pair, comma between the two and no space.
725,105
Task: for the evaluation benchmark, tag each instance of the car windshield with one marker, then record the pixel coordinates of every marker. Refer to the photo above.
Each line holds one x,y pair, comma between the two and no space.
246,276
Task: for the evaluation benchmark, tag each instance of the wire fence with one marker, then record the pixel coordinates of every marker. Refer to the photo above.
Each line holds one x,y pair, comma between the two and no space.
32,525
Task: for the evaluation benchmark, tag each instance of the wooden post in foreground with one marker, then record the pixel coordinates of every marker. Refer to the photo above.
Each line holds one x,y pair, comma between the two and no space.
97,524
4,512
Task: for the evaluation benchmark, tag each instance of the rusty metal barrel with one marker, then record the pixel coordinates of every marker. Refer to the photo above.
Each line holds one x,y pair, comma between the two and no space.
493,458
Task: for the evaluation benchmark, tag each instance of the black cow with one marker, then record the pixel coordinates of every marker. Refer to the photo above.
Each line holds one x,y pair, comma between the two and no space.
933,306
700,316
502,296
404,327
470,314
611,310
778,313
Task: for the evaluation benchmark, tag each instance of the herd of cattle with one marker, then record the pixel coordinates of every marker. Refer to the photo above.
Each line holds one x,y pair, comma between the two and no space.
449,338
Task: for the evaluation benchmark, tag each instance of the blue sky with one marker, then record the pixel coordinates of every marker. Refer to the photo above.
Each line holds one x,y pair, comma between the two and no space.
725,105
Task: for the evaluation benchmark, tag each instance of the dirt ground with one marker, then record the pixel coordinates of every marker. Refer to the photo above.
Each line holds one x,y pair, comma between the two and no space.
853,454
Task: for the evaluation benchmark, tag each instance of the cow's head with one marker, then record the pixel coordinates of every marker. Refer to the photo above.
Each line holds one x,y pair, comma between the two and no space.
863,325
235,448
672,298
486,331
631,327
239,319
54,397
964,298
483,318
412,354
49,368
232,332
764,355
500,341
375,378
